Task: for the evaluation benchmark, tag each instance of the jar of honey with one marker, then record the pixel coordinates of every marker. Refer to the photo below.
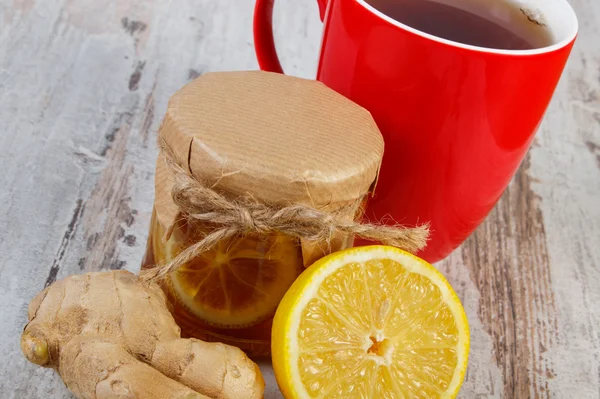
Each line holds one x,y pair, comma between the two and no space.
277,140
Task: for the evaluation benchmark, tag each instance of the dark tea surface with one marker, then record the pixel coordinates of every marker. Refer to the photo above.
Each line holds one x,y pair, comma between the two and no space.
460,25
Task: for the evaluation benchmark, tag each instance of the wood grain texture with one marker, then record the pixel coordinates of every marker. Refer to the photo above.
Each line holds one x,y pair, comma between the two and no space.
83,85
519,311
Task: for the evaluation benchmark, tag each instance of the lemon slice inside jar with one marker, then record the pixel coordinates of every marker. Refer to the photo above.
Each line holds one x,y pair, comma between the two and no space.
237,284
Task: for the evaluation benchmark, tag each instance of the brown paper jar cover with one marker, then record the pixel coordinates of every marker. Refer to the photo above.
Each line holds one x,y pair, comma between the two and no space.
283,140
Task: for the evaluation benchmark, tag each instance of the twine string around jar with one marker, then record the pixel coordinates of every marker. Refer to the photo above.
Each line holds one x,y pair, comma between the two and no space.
232,218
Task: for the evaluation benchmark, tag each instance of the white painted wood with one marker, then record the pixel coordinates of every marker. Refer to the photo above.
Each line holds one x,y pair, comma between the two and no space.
83,85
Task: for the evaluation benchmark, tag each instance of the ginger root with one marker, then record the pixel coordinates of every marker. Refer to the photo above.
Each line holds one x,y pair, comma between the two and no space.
109,335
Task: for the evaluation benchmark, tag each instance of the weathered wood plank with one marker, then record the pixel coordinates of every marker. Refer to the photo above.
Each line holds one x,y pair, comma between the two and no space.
518,309
83,85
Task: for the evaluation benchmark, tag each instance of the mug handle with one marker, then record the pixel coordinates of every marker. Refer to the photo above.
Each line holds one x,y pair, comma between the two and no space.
264,44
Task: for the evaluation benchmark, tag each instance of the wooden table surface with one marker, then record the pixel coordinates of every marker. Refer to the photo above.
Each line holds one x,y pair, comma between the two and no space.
83,86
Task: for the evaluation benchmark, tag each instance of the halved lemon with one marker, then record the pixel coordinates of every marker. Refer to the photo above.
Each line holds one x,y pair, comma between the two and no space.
370,322
237,284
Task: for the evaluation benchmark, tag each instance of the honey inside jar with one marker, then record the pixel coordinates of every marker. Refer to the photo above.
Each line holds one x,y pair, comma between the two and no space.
227,293
281,141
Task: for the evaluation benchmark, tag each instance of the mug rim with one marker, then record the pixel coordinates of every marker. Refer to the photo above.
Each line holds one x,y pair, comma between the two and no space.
568,39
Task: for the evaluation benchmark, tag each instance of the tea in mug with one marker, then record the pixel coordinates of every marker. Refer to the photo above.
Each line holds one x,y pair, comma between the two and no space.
497,25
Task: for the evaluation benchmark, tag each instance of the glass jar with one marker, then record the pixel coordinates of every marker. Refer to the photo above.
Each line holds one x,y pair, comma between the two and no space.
281,140
228,294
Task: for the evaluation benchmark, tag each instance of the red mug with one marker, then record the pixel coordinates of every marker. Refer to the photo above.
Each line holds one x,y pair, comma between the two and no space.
457,119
